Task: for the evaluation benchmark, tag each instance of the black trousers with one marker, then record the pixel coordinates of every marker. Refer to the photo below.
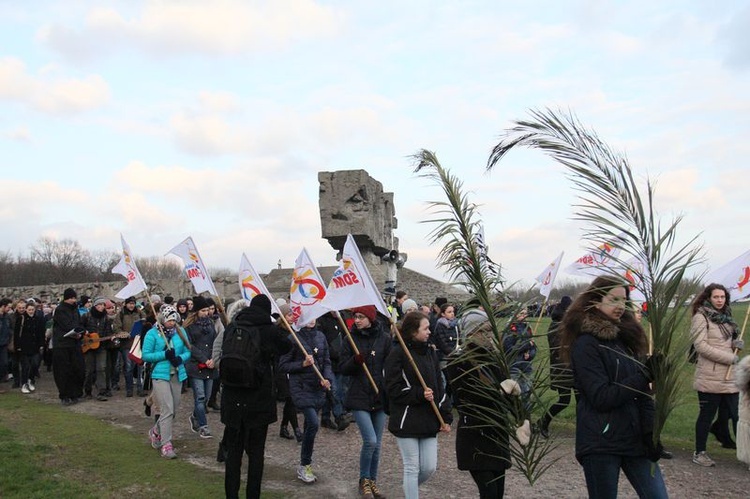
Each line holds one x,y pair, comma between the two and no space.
68,371
250,440
491,484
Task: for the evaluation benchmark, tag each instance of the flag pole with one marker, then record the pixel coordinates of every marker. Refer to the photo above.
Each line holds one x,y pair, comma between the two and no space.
742,333
302,347
397,333
356,352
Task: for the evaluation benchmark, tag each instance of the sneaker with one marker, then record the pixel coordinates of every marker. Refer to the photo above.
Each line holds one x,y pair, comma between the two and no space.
25,388
375,490
702,459
204,432
193,424
101,397
365,490
31,386
154,437
305,473
167,451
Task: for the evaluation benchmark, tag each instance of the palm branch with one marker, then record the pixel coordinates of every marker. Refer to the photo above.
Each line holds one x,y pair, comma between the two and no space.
613,208
457,225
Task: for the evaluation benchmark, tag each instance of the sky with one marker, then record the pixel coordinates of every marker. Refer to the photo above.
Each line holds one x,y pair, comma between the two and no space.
164,119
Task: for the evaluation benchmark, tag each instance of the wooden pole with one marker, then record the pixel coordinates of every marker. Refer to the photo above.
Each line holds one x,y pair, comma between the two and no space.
435,409
742,333
222,312
356,352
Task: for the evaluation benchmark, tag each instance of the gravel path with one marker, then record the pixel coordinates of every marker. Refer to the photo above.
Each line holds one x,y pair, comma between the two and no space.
336,459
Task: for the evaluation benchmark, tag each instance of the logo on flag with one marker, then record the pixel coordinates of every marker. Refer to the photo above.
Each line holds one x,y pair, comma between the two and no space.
735,276
598,261
251,285
195,269
306,292
548,275
126,267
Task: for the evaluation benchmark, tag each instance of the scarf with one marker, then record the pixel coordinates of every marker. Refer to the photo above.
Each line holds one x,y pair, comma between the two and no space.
722,319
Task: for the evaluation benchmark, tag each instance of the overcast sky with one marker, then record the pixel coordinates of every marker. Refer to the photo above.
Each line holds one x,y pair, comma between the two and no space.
166,119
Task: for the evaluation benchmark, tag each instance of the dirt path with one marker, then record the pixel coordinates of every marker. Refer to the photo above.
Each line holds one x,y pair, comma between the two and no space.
336,460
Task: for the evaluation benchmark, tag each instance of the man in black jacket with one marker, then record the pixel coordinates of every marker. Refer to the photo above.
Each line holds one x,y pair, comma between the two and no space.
67,359
246,412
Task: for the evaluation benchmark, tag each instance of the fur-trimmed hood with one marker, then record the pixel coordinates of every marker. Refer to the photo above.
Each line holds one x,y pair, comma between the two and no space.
600,327
742,375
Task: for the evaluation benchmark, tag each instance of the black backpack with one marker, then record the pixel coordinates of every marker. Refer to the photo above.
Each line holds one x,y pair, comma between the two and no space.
240,364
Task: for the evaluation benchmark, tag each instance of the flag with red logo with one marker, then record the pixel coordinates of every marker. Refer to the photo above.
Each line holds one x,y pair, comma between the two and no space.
194,266
352,284
307,291
635,272
251,285
599,261
126,267
735,276
547,278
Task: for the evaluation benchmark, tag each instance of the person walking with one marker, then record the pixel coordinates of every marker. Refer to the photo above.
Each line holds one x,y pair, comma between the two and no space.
374,345
28,342
412,420
67,360
201,333
604,345
715,336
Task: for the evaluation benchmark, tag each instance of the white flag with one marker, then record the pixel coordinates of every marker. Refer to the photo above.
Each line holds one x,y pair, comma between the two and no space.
251,285
547,277
307,291
194,267
599,261
351,284
634,272
126,267
735,276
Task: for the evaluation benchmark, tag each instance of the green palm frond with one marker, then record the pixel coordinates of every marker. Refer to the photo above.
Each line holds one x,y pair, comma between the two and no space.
613,208
456,226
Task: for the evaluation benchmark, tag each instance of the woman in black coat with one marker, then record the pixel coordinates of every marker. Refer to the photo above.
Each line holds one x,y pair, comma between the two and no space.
481,449
373,344
28,340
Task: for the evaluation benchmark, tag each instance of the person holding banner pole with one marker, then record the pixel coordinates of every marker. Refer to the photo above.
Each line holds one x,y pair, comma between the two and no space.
415,390
363,398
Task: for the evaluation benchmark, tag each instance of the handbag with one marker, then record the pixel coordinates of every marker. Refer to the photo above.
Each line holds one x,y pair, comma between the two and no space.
135,353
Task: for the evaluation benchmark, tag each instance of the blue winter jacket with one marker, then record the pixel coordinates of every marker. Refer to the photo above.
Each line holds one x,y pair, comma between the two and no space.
154,349
304,384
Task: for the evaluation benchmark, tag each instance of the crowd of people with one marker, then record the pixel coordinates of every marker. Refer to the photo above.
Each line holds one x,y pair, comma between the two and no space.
409,373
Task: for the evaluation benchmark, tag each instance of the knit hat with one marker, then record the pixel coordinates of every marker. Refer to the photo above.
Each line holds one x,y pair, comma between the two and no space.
280,301
168,300
155,298
409,305
285,309
130,299
199,303
168,313
262,302
440,301
367,310
69,293
100,300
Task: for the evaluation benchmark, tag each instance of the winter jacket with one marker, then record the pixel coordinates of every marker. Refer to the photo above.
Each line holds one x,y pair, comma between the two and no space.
65,318
154,352
245,406
560,376
520,347
614,411
714,356
28,336
374,344
101,324
334,333
5,331
124,321
445,337
479,446
411,416
304,384
201,335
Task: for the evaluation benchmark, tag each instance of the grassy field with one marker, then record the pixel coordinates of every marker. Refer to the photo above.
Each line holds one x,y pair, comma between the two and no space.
680,428
46,451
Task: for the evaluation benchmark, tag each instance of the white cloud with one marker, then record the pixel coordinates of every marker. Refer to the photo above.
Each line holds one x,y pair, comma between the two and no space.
19,134
48,93
220,27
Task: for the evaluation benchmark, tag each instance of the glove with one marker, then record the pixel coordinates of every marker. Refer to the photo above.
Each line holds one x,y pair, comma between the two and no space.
175,361
653,451
359,359
738,344
654,364
169,354
202,365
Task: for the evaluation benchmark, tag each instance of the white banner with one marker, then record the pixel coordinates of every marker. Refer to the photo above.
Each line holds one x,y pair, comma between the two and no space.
307,291
600,261
127,268
194,266
547,278
735,276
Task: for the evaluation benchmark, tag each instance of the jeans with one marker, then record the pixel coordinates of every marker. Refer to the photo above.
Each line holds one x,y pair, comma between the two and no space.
709,404
419,456
308,436
251,440
602,473
370,426
201,387
3,362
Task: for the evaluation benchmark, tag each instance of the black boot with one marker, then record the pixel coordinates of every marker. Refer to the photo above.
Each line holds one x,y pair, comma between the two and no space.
284,433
